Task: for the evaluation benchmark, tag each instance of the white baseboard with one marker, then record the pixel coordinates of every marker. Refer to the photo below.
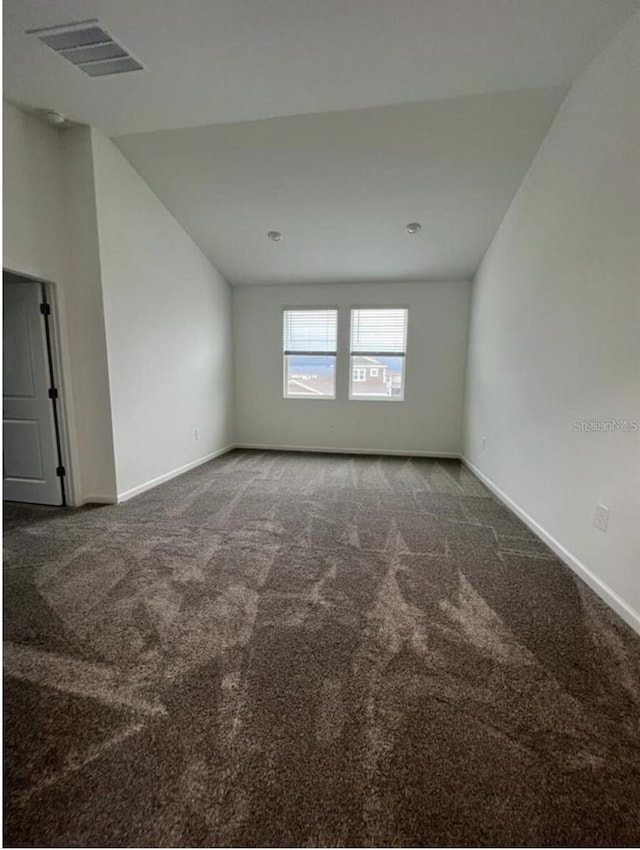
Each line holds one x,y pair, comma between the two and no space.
628,614
149,485
96,500
333,450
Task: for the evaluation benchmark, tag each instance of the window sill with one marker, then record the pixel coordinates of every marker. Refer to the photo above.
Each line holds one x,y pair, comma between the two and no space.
309,398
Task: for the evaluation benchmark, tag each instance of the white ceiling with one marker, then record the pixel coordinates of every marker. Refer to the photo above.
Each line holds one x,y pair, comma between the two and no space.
464,91
342,185
221,61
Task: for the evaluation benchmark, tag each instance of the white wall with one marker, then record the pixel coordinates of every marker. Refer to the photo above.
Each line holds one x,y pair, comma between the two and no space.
430,418
554,331
33,196
49,233
145,319
168,327
84,314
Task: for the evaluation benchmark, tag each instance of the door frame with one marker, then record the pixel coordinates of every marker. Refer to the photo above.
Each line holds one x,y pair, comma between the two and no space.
63,408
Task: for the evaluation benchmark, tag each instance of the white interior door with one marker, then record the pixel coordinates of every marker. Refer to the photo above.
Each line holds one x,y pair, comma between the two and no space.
30,454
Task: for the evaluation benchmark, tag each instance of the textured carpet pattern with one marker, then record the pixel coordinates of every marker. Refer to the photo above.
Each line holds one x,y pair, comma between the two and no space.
305,650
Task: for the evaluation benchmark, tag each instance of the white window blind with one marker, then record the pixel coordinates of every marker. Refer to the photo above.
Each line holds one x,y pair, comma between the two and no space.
379,331
310,339
310,331
378,353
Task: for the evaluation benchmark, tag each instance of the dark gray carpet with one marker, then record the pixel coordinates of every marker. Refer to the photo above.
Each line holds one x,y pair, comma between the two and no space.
305,650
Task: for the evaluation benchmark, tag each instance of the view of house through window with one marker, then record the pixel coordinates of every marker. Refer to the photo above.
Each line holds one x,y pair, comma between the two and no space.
309,344
378,349
377,362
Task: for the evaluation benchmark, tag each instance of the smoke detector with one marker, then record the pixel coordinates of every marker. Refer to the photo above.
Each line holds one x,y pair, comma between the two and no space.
55,118
88,46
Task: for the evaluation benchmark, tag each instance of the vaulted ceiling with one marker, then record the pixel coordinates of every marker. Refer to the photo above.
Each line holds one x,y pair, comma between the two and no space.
341,186
380,112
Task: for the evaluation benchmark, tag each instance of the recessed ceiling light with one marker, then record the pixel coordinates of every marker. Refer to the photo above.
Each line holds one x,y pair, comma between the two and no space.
413,228
274,235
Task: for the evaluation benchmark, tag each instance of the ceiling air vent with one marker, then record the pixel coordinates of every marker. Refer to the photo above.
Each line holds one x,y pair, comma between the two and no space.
88,46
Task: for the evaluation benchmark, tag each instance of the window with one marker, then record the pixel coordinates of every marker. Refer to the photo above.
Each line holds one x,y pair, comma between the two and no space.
309,346
378,342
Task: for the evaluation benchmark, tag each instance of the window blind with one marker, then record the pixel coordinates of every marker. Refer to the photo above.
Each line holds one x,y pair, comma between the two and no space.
379,331
310,331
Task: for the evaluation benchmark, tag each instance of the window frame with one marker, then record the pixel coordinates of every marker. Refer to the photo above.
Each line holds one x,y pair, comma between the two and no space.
383,398
290,353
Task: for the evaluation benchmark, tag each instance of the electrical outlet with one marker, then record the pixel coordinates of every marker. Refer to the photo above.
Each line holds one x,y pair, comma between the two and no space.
484,442
196,433
602,517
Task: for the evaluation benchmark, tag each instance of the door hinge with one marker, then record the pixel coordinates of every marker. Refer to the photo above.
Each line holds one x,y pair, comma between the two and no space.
45,309
61,472
53,392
